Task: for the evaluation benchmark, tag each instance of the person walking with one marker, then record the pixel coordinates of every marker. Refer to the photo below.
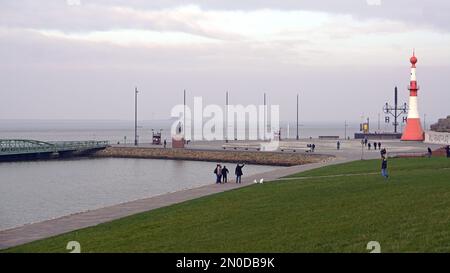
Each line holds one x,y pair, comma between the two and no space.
238,172
379,145
218,173
384,171
225,172
447,151
375,146
365,141
369,145
430,152
165,143
338,145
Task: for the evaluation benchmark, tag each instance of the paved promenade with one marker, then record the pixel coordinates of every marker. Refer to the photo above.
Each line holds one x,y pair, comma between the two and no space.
350,151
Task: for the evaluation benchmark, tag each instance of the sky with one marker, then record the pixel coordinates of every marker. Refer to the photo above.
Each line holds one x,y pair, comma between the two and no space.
82,59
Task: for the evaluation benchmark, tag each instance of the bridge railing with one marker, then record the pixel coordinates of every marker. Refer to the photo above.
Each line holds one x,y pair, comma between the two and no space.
21,146
80,144
17,150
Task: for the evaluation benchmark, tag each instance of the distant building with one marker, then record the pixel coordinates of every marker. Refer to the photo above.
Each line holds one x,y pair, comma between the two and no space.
443,125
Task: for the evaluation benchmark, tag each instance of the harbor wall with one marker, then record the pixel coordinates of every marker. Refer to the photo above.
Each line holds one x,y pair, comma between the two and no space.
219,156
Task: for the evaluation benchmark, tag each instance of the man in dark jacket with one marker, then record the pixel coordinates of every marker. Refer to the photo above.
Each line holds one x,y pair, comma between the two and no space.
238,172
218,173
447,150
384,171
225,174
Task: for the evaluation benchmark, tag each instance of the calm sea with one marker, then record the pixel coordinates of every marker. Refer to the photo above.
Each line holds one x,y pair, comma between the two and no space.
40,190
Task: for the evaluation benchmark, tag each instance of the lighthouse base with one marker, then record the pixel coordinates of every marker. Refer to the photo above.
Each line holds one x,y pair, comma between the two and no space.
413,130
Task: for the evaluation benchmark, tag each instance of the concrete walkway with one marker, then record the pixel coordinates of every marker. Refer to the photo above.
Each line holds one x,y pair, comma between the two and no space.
31,232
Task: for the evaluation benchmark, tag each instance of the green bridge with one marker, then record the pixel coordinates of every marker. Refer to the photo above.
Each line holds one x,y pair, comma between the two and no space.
24,147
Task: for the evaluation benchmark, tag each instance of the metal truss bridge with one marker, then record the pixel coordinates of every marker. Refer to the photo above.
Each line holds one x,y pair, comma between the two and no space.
17,147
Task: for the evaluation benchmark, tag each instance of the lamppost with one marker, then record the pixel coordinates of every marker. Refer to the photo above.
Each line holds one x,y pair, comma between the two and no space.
425,122
379,125
345,130
135,116
362,149
265,116
297,119
184,115
226,117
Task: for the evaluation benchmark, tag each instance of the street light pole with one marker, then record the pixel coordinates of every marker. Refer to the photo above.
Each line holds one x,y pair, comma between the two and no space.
297,119
345,130
184,114
265,116
226,117
379,125
425,122
362,149
135,116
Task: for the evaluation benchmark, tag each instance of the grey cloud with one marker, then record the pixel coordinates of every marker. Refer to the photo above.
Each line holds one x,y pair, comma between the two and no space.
98,14
92,16
43,77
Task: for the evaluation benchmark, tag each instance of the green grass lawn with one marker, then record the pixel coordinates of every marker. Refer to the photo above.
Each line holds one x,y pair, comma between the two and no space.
409,213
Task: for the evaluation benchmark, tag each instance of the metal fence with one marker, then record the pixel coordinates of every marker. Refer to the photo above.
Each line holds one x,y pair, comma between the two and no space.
26,146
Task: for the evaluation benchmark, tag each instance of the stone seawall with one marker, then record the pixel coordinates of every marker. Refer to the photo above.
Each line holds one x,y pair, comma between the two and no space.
249,157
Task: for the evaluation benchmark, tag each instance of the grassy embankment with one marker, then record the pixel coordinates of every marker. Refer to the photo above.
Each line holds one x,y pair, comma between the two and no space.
410,212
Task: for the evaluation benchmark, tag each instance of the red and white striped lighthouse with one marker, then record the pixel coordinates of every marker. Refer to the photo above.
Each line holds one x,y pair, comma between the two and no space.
413,130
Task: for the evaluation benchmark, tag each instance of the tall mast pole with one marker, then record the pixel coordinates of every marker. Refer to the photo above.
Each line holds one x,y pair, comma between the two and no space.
265,114
184,114
345,130
297,119
395,109
226,117
135,116
424,121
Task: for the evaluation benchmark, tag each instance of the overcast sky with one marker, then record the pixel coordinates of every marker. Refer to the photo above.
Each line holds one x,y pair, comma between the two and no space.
69,59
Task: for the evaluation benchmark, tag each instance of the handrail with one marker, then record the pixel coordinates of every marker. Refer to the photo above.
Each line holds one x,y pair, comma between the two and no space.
24,146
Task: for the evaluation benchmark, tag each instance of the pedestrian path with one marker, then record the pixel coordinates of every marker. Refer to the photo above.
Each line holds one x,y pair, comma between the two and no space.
31,232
